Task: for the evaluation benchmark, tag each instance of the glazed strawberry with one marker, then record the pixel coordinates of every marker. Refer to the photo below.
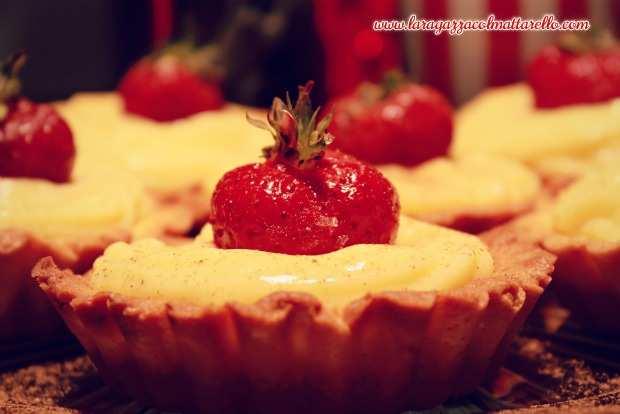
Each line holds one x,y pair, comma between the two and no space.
399,122
304,198
35,141
165,88
581,69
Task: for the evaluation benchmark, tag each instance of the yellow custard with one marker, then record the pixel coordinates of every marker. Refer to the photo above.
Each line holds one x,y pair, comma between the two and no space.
590,208
93,203
572,167
424,257
473,184
504,121
165,156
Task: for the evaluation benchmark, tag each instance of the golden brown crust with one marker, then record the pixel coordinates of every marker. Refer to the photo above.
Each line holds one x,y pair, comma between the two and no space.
476,222
555,183
587,272
587,280
175,213
384,352
25,312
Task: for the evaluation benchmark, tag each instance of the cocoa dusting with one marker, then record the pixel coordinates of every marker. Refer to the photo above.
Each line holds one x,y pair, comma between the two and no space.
565,368
42,385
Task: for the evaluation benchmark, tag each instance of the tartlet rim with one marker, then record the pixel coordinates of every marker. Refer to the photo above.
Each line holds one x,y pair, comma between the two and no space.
47,264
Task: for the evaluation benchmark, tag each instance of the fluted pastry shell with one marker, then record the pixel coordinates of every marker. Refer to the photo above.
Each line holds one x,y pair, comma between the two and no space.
381,353
25,311
472,194
587,279
475,222
587,272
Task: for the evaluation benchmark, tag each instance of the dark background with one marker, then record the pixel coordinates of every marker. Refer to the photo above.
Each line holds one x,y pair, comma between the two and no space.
73,45
271,46
87,45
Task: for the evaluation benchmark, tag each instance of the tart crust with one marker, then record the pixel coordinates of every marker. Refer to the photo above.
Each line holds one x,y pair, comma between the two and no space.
466,217
25,312
475,222
555,183
587,280
175,214
586,277
382,353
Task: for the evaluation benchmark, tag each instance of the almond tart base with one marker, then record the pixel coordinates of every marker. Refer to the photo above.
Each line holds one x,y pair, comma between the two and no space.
382,353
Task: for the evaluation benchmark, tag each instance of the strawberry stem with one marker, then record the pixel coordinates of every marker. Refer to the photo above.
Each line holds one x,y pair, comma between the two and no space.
392,80
300,137
10,85
594,40
371,93
205,61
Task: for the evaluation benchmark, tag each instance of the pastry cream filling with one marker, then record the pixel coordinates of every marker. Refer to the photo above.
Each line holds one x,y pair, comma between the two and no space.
504,121
97,202
424,257
591,207
571,167
473,184
165,156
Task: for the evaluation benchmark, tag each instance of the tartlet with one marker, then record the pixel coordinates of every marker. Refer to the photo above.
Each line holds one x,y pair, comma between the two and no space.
49,209
405,130
186,328
560,143
472,194
178,162
71,222
307,293
582,227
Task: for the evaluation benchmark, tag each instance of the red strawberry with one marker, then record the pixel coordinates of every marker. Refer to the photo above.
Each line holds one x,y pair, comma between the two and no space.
402,123
165,88
34,140
303,199
579,70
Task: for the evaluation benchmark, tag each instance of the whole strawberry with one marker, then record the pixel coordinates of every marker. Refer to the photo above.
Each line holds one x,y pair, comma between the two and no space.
398,122
303,199
581,69
35,141
165,88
